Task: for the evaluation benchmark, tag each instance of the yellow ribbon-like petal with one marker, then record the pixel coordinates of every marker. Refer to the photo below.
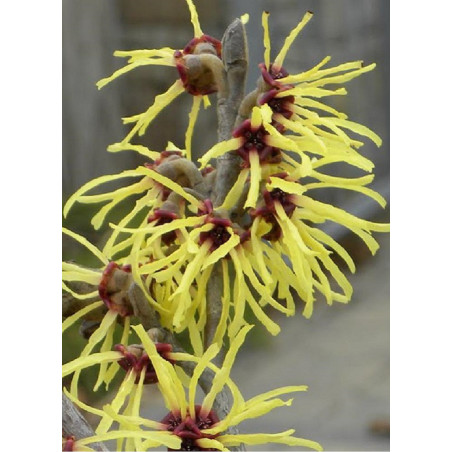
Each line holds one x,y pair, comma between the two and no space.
79,314
80,296
222,250
208,356
194,19
171,388
219,149
255,176
235,192
279,60
86,361
306,75
154,175
267,47
261,438
193,115
87,245
94,183
222,376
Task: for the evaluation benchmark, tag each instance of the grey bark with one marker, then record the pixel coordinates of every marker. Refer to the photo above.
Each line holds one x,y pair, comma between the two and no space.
74,424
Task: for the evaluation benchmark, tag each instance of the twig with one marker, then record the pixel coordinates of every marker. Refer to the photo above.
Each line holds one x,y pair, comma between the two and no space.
71,305
235,59
74,424
213,306
141,308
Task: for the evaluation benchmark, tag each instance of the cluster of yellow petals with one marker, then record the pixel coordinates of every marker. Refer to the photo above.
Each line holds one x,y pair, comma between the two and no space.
174,278
179,392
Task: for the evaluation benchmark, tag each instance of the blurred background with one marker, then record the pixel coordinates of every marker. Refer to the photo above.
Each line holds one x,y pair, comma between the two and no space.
342,352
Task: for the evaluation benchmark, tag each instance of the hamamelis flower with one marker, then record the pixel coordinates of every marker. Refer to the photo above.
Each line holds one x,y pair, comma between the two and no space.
200,72
139,371
112,281
153,186
283,220
193,426
203,240
263,151
293,98
131,358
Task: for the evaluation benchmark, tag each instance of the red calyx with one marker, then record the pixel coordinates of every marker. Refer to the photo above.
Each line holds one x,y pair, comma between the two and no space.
272,75
268,212
205,208
189,429
190,48
218,235
279,105
200,85
164,216
68,444
254,140
105,292
141,360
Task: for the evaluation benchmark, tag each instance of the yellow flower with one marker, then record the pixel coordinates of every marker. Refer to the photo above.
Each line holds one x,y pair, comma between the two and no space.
139,371
202,241
192,426
262,148
199,67
154,187
283,220
269,154
111,293
292,99
288,103
132,358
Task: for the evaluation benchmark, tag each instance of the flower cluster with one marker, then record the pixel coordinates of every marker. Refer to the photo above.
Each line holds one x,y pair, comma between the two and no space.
188,425
262,245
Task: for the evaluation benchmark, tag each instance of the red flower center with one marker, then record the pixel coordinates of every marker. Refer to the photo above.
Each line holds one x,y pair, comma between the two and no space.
137,359
255,140
218,234
279,105
189,429
268,212
163,217
272,75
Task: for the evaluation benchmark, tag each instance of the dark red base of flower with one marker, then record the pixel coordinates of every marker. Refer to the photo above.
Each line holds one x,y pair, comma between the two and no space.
68,444
268,212
123,308
188,429
139,360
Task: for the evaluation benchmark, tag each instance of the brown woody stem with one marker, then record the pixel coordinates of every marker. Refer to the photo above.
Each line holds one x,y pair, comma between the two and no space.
74,424
235,59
